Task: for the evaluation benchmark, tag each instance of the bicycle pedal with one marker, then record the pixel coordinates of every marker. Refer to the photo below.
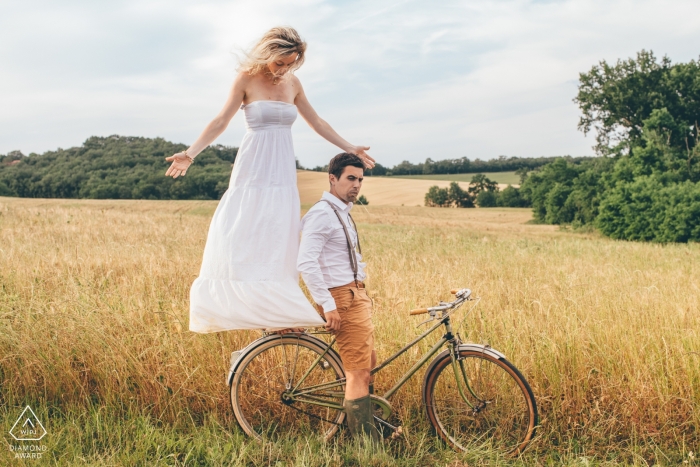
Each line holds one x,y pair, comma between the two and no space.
397,433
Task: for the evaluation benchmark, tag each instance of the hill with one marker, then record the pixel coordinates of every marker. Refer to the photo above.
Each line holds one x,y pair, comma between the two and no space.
115,167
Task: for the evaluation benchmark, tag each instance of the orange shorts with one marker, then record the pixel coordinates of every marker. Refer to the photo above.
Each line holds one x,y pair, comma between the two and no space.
356,336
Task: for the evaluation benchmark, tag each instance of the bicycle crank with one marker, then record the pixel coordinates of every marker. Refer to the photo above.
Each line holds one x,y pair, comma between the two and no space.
396,431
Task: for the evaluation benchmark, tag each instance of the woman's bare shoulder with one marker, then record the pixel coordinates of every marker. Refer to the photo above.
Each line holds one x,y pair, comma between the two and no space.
243,77
295,82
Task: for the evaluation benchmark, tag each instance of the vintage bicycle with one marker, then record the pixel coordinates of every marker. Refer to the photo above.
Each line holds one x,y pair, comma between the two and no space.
287,384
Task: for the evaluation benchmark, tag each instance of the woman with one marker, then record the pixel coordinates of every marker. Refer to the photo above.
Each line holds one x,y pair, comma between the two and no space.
248,278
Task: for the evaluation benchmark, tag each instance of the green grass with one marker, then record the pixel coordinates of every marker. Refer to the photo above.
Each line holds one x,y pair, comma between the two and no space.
96,436
500,177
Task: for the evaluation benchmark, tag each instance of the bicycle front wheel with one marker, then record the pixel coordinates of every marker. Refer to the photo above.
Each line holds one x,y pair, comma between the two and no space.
262,389
480,400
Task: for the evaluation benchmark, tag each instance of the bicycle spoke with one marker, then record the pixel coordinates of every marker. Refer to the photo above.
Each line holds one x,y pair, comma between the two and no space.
265,405
294,368
496,412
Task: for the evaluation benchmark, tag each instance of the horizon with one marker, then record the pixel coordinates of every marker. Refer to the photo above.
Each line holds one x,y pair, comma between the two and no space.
305,167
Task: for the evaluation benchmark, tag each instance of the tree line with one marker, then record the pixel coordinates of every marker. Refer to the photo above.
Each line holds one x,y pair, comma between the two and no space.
115,167
464,165
127,167
482,192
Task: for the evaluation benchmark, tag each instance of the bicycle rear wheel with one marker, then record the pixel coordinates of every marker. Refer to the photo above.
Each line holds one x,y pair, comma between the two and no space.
261,389
499,411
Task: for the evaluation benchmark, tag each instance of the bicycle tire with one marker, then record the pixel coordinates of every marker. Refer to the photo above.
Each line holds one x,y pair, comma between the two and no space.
506,414
267,371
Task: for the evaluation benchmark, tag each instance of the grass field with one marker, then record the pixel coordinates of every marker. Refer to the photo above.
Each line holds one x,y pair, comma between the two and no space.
94,316
505,178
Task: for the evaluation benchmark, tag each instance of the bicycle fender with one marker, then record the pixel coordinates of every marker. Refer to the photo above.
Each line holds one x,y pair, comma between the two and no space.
237,355
486,349
480,348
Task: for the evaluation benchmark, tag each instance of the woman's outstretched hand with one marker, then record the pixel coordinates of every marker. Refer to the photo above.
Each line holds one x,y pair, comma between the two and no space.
366,158
179,166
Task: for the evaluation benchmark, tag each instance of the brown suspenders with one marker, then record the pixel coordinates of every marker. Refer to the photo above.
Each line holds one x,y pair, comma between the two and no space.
351,250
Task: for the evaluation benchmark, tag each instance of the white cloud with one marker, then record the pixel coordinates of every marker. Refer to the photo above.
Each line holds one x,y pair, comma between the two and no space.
411,79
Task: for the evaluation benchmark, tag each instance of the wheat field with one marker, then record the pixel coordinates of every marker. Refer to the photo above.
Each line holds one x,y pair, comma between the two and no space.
94,318
385,191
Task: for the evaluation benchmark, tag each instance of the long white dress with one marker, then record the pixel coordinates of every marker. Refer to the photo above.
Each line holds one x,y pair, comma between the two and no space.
248,278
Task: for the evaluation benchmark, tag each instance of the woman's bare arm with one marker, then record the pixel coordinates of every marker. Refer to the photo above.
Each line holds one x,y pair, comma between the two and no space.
322,127
180,163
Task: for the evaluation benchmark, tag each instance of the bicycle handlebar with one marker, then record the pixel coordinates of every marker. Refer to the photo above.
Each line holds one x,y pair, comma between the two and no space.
462,295
419,311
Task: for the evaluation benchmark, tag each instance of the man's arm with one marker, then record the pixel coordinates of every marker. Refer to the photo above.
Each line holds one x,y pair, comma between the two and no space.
316,231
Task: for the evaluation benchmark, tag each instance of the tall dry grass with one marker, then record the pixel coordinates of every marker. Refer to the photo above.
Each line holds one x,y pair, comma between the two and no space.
94,313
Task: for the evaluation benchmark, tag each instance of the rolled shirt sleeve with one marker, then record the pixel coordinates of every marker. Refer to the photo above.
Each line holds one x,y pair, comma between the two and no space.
316,230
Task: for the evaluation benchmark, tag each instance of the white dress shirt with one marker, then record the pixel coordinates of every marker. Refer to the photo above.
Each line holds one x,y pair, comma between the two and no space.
323,259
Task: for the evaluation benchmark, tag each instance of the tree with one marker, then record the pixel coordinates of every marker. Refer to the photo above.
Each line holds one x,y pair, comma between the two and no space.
437,197
362,200
615,100
522,174
458,197
646,114
481,182
454,196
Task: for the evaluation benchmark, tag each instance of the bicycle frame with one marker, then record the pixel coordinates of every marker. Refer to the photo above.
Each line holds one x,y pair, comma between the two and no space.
448,339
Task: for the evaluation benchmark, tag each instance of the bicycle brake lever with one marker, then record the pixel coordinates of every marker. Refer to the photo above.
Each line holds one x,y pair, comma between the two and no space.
433,315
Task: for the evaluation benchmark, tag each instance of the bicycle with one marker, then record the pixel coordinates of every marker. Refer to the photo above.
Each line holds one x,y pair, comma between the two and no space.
286,384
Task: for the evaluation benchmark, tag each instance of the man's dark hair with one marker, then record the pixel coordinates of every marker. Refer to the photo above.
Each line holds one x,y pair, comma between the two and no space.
342,160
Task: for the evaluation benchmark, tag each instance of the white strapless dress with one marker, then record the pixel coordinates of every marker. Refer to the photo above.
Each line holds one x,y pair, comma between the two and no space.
248,278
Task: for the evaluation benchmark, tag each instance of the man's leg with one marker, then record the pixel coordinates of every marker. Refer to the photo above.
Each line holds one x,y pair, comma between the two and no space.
358,405
357,384
355,343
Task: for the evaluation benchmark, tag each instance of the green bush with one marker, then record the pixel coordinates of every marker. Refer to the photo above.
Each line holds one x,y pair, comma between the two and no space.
454,196
487,199
647,210
510,197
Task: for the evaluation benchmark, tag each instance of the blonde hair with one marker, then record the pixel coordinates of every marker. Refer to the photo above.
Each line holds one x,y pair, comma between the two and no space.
277,42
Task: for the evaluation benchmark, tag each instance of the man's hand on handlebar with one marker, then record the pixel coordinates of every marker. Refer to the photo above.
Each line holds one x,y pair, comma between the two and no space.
332,321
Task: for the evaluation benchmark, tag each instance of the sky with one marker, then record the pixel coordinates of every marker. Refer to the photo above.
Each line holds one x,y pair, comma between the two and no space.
412,79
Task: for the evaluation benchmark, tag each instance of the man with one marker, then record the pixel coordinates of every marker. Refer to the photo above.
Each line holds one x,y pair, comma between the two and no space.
332,268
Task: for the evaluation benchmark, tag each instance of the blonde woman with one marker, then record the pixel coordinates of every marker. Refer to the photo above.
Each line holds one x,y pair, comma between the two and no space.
248,278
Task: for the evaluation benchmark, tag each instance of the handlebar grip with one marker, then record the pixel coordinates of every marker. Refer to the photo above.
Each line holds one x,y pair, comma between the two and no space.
419,311
454,291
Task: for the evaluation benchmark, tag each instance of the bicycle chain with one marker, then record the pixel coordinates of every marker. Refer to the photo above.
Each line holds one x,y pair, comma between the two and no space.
378,419
313,415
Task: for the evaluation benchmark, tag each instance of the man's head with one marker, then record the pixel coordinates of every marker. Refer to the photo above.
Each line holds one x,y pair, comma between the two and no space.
345,173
